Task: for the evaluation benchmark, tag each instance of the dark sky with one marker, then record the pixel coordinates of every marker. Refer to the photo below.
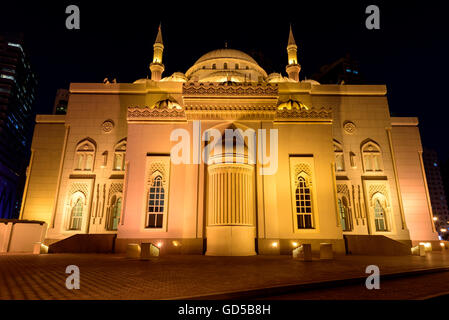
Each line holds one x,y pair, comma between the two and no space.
409,53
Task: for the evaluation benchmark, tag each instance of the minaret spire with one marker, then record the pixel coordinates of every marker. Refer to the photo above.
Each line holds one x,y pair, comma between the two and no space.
159,35
156,67
293,67
291,39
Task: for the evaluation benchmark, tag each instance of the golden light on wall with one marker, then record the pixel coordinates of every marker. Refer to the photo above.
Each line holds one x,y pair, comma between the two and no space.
274,244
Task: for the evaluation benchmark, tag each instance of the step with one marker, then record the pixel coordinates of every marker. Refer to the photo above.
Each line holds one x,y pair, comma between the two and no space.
85,243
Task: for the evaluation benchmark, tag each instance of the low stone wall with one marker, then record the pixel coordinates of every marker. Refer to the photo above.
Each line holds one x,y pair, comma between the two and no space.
285,246
21,235
166,246
436,244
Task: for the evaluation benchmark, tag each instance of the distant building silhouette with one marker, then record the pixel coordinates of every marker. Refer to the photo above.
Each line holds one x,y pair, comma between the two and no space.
61,101
342,71
436,191
17,95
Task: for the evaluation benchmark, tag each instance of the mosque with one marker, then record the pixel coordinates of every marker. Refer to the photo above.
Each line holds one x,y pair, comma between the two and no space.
335,167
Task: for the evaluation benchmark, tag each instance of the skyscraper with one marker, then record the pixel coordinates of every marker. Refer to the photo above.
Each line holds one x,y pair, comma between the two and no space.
436,192
17,94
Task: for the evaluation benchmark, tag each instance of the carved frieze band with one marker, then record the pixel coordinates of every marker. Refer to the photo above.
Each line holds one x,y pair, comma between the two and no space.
146,113
313,113
235,89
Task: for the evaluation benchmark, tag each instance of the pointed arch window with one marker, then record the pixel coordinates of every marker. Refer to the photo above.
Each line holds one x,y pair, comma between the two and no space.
89,162
76,215
303,201
339,157
119,156
372,157
343,209
116,209
85,155
379,216
156,204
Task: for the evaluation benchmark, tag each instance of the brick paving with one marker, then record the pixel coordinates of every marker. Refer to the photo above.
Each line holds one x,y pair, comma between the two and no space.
110,276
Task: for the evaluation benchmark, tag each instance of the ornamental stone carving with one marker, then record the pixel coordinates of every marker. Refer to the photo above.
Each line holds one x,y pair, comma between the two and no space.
107,126
349,127
234,89
146,113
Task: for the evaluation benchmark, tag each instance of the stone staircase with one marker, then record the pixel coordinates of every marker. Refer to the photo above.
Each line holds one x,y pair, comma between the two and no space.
84,243
375,245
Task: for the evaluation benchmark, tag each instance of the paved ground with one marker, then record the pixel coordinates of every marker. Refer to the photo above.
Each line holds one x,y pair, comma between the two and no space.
421,287
110,276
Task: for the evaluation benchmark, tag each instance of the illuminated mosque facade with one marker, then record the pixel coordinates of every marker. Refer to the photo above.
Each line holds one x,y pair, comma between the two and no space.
342,165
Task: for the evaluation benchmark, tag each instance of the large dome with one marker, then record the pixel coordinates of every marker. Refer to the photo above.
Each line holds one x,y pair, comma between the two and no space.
226,65
225,53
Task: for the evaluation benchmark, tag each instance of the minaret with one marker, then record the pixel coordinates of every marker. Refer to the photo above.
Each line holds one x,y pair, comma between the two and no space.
293,66
156,66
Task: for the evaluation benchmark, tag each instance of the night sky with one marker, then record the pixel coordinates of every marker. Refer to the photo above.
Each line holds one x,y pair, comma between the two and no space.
409,53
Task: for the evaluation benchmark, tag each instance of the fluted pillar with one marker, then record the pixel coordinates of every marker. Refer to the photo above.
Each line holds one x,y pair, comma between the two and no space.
230,209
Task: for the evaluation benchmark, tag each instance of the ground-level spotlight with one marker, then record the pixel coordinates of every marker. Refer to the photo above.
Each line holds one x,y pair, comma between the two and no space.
274,244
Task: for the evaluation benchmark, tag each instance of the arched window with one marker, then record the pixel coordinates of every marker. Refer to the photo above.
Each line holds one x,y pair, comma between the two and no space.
89,162
156,204
303,200
119,156
339,157
76,215
214,66
352,159
85,155
372,158
379,216
116,209
237,66
225,65
80,161
344,214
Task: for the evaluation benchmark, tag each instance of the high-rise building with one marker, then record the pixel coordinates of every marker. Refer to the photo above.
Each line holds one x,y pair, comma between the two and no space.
436,192
61,101
17,94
